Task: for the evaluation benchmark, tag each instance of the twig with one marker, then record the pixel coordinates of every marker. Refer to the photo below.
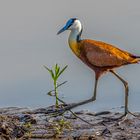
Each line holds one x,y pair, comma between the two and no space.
73,113
56,87
81,118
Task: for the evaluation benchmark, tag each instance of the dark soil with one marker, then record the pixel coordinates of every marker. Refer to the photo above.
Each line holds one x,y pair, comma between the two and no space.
24,123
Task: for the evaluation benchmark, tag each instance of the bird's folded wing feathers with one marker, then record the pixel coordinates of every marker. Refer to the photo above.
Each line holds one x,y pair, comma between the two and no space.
102,54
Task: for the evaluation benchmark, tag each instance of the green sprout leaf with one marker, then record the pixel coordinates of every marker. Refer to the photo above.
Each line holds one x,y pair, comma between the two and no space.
57,69
62,70
50,71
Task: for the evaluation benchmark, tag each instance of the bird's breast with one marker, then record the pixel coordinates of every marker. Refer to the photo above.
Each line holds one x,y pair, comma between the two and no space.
75,47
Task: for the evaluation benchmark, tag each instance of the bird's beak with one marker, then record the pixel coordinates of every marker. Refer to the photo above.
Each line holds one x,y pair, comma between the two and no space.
62,30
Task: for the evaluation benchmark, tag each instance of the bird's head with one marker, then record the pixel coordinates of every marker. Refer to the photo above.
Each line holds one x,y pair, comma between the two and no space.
72,24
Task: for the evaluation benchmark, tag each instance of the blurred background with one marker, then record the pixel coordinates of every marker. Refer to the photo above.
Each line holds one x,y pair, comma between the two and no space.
28,41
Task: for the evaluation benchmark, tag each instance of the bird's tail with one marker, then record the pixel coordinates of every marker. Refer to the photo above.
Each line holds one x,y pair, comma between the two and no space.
136,58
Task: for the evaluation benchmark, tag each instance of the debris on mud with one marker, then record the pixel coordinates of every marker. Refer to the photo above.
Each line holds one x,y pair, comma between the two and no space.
24,123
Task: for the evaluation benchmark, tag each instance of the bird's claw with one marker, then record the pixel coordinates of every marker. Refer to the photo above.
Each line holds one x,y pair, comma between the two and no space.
107,119
128,112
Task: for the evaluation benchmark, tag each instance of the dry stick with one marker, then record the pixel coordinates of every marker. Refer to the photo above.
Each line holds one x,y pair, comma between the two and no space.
74,113
81,118
57,87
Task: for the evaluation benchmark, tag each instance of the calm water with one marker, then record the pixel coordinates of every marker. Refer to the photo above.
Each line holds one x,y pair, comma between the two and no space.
28,41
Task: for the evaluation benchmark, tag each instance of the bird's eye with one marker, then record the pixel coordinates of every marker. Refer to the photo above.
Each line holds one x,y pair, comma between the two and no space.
70,22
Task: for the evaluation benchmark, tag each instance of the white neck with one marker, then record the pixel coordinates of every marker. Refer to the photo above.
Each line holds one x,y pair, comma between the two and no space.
73,35
76,30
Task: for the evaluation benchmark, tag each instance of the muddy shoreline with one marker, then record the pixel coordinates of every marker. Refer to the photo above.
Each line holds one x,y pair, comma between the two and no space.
36,124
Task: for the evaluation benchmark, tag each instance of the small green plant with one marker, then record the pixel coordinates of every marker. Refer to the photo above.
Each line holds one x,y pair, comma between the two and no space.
55,73
59,126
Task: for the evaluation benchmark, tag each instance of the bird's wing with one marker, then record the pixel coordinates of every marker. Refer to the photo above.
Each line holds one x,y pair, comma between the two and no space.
102,54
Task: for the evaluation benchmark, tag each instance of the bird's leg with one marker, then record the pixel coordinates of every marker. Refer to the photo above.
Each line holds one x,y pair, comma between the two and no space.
126,93
85,101
95,88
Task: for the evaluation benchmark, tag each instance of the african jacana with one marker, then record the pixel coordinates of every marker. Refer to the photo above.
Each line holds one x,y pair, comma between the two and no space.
99,56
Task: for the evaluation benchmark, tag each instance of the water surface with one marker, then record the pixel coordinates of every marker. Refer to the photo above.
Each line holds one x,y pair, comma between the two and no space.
28,41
